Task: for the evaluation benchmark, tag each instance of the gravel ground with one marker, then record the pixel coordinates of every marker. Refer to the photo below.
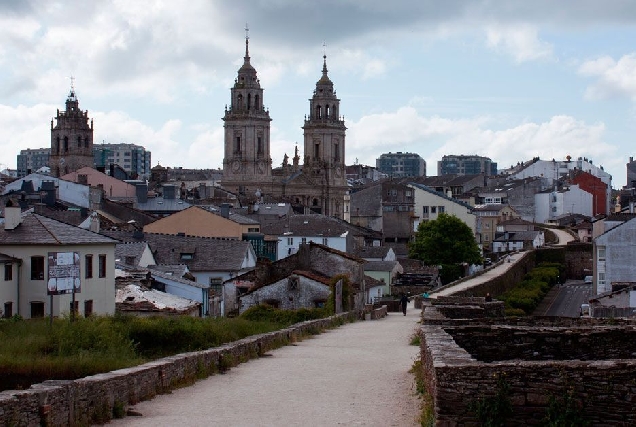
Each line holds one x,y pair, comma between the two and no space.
355,375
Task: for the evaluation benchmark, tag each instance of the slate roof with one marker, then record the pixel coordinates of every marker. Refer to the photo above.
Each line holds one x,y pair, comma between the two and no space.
518,236
160,204
113,187
209,254
380,265
370,282
129,249
367,202
39,230
440,194
372,252
310,225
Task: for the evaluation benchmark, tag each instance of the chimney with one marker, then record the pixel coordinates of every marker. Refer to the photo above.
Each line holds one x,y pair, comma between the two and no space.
82,179
142,192
94,223
225,210
12,216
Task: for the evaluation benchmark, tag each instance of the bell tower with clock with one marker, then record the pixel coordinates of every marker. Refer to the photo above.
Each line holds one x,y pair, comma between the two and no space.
246,160
71,138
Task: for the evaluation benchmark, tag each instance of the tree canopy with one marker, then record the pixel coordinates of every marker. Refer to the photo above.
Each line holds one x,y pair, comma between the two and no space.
446,240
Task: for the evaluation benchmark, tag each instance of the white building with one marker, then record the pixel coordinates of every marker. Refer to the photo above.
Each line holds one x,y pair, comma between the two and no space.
43,255
428,204
550,205
614,255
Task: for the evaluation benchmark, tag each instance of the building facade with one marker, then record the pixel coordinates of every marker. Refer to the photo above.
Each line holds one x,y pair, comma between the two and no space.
401,164
71,139
466,165
319,185
32,160
134,159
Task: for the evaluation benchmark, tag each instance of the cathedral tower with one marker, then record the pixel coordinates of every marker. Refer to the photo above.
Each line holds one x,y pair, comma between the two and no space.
71,139
246,160
324,135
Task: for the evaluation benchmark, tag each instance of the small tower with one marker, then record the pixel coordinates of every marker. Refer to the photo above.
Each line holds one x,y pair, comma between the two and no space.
71,139
247,159
324,134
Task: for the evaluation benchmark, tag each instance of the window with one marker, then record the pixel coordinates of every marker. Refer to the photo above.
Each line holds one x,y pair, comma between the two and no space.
102,265
433,209
601,253
237,146
8,272
185,256
88,266
325,241
259,145
303,240
316,151
441,209
293,282
88,308
8,309
37,268
425,209
290,241
130,260
37,309
408,193
216,286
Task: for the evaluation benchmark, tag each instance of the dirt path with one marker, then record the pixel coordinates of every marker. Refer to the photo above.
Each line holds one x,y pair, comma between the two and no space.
356,375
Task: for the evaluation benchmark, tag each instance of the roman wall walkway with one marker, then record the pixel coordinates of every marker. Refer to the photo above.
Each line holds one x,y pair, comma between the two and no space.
355,375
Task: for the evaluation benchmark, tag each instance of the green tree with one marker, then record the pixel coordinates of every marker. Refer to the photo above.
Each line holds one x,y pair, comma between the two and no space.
445,241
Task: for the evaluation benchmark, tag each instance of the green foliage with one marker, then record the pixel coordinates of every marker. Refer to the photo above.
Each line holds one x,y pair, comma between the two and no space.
451,272
564,412
444,241
415,339
524,298
427,416
266,313
493,411
32,351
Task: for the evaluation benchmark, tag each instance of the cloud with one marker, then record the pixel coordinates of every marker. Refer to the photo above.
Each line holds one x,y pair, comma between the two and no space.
433,137
614,78
519,41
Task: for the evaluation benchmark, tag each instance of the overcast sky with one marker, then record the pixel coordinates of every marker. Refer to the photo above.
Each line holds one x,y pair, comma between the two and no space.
506,79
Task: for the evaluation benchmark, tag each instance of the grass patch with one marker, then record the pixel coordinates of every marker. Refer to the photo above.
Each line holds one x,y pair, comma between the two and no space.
32,351
524,298
427,416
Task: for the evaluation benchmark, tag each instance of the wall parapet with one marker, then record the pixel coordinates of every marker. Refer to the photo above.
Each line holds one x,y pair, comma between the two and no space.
97,398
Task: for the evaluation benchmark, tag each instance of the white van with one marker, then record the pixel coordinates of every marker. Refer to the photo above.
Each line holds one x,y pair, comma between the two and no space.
587,279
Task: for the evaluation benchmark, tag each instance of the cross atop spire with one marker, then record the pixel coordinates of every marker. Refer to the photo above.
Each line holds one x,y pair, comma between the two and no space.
72,84
247,41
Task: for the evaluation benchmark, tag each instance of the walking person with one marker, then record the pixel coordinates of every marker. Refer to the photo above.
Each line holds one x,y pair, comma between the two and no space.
404,301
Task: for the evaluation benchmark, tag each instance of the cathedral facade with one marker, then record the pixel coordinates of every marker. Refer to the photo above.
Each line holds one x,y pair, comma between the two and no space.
71,139
318,185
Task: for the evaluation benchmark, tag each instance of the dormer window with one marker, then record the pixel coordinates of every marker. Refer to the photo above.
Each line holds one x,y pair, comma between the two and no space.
186,256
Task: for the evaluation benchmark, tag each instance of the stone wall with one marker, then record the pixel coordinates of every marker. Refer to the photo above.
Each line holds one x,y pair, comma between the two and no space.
97,398
571,367
578,260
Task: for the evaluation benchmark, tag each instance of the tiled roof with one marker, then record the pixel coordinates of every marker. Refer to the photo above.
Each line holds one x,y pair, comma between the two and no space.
208,254
440,194
160,204
371,282
39,230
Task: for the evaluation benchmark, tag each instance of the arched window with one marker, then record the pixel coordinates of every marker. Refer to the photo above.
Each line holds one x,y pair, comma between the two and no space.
79,142
85,142
318,112
249,100
257,105
315,202
65,144
57,145
327,111
240,102
334,112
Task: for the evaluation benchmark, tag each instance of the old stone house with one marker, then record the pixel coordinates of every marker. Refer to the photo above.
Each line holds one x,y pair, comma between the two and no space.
314,265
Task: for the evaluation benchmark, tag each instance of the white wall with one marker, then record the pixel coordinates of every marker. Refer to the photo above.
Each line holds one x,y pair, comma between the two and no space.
101,290
424,198
285,248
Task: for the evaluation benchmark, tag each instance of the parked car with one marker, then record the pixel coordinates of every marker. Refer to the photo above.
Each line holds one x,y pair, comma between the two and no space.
587,279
